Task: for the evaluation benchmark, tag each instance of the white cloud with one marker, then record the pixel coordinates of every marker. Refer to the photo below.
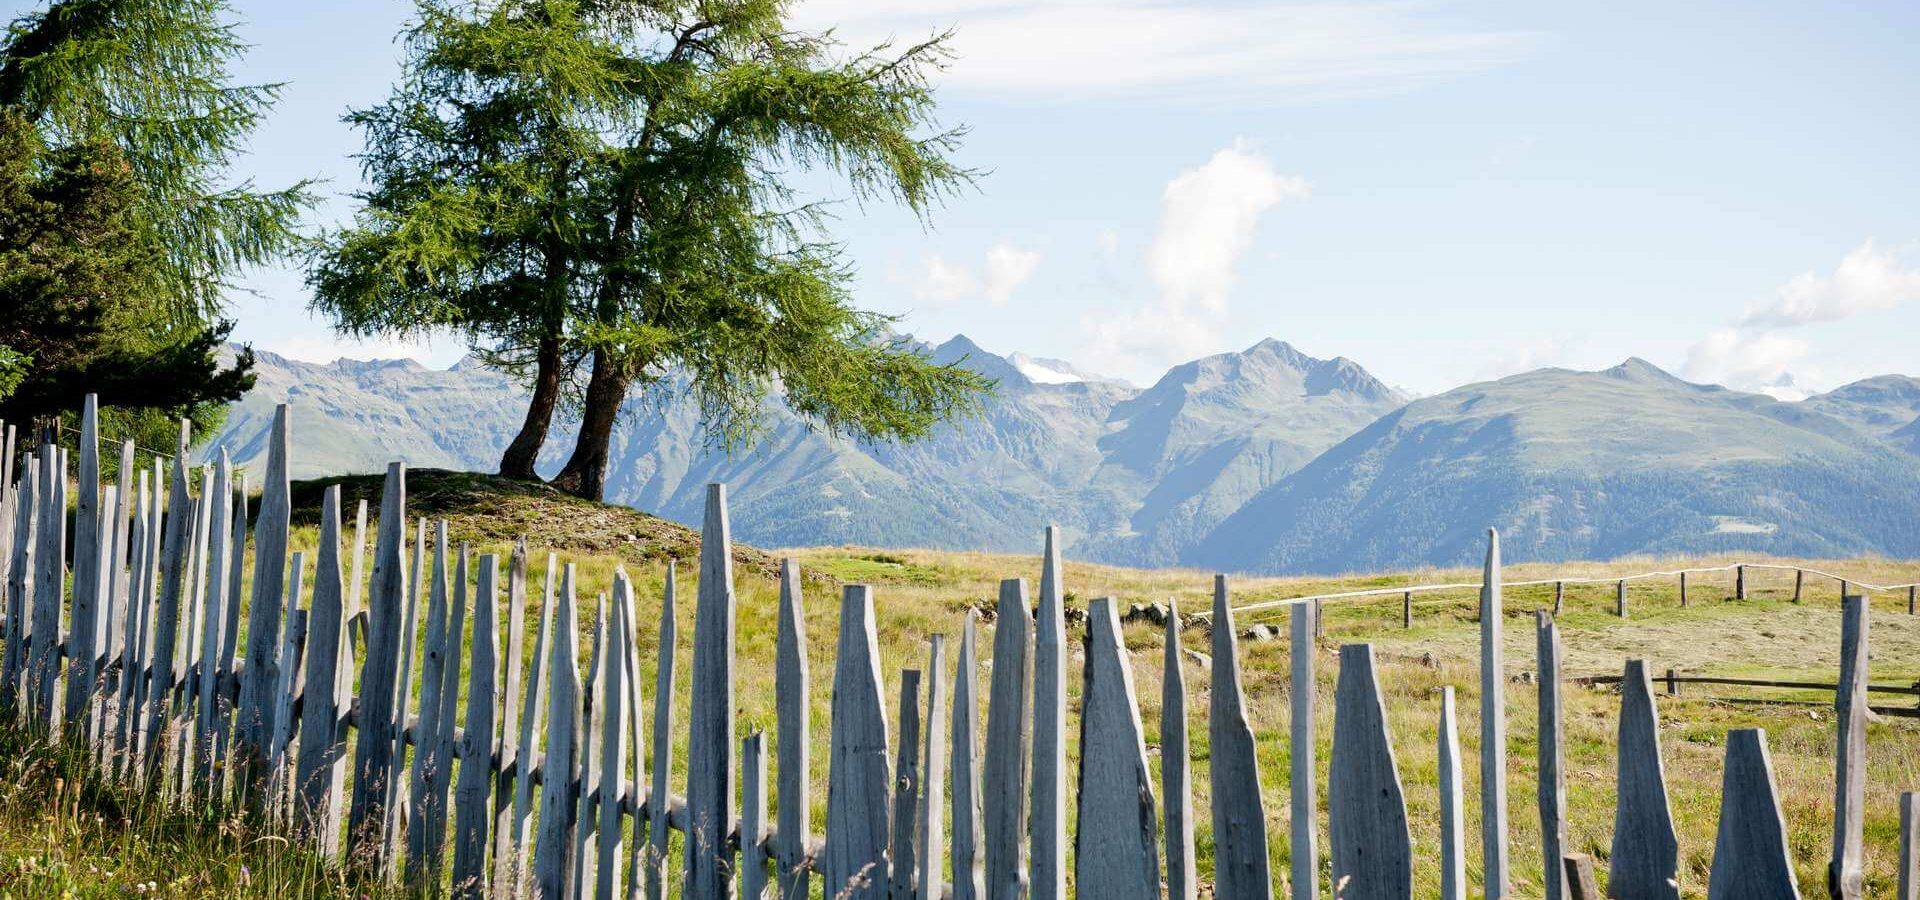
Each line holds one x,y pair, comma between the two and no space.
1187,49
1867,280
1753,354
1007,267
1207,220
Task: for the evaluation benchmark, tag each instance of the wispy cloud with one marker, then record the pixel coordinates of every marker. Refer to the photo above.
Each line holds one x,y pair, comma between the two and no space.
1193,50
943,283
1754,353
1208,216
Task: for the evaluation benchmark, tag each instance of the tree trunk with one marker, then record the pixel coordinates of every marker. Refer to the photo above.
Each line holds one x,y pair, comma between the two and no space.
517,462
585,474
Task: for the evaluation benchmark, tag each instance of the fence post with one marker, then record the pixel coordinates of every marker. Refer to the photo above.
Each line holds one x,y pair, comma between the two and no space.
1453,827
1301,780
1913,594
660,794
610,718
174,574
321,772
1739,582
1846,588
969,876
1552,791
1493,728
426,775
593,712
1683,589
1116,849
753,818
1560,599
1909,882
20,583
504,878
858,782
1799,582
791,697
473,799
1751,859
49,587
1673,683
710,740
1176,766
1048,827
373,762
906,787
254,709
226,681
553,857
86,568
1366,808
1645,859
1008,744
220,557
1406,610
933,780
1240,868
1845,872
1620,599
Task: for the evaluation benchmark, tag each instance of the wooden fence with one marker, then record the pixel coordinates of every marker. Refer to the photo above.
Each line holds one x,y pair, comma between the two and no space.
547,785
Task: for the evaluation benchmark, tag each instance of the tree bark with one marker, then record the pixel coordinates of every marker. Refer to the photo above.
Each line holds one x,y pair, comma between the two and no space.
585,474
517,462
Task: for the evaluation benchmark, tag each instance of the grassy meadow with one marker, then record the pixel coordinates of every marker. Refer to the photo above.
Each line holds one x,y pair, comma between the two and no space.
81,834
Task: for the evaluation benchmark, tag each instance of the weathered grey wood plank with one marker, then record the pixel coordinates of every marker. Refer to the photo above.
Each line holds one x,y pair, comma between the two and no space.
279,777
425,773
213,620
710,738
1493,728
1240,867
1176,767
1576,872
373,762
1645,858
254,711
1366,807
323,739
1551,765
400,808
131,642
1117,848
1620,599
585,851
753,823
969,874
505,788
629,645
1751,858
13,515
473,812
26,545
1799,583
1909,882
436,814
1846,870
792,693
858,780
1453,825
235,572
933,800
553,861
174,560
1008,745
85,602
660,762
611,720
1301,786
534,706
1048,825
49,590
1739,582
906,785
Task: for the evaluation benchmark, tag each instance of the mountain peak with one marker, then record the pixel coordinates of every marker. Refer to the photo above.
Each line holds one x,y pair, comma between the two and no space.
1637,369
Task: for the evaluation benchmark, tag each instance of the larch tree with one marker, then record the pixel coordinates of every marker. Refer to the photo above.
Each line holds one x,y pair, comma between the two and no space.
601,195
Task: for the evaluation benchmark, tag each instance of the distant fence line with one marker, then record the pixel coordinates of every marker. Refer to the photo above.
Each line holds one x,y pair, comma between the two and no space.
545,785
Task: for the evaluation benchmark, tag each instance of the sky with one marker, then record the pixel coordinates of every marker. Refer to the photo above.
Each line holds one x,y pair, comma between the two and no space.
1445,192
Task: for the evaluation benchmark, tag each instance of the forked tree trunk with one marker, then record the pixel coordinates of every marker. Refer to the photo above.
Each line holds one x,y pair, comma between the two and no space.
517,462
585,474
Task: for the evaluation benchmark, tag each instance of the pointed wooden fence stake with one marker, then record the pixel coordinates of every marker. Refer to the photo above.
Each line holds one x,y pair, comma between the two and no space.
473,811
858,781
753,823
658,797
710,740
1239,820
1048,825
933,781
553,859
1117,852
1453,826
1493,728
1552,789
322,752
792,703
906,785
969,875
1008,745
1176,767
1909,883
1301,777
1845,872
1366,808
1645,860
373,761
1751,859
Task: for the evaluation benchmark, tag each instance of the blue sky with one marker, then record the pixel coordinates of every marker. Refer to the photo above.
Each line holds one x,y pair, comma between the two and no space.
1442,191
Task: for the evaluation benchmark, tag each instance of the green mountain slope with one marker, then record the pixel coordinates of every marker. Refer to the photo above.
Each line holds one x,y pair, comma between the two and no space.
1580,465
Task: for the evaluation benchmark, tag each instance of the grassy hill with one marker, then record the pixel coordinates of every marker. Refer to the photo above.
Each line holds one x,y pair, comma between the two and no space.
54,839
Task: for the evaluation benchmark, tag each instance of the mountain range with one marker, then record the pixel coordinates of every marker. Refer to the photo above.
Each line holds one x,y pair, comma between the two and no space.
1265,460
